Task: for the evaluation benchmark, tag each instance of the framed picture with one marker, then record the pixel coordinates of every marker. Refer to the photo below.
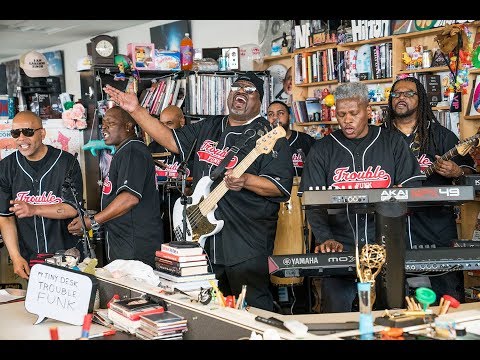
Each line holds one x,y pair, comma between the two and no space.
168,36
55,68
473,107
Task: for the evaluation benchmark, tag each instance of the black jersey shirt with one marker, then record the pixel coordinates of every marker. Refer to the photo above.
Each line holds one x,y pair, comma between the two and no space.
249,219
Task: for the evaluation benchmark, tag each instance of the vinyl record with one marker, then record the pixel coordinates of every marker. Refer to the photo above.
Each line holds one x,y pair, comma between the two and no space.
476,57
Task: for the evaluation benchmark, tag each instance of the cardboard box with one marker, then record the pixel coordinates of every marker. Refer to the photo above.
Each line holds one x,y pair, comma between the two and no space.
167,60
142,55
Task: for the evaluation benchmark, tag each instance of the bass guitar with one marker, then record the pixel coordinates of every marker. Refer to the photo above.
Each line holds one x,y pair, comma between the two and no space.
462,148
200,219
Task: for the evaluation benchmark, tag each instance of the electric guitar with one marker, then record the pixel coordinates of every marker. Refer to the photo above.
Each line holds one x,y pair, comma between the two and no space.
200,219
461,149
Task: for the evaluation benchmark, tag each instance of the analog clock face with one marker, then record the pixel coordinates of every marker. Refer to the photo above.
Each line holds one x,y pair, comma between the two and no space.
104,48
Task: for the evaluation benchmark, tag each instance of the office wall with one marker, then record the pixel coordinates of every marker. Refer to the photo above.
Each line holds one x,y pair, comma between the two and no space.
205,34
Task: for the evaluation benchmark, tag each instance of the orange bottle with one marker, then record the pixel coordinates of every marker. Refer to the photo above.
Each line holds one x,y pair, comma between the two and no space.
186,52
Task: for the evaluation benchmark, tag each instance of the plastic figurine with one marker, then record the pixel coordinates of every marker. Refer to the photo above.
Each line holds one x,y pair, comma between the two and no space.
140,57
284,44
72,256
94,145
124,64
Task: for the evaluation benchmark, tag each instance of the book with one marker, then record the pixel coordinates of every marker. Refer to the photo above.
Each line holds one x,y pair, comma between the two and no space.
179,264
182,90
172,286
164,319
185,271
314,109
122,322
176,278
173,248
179,258
145,335
134,307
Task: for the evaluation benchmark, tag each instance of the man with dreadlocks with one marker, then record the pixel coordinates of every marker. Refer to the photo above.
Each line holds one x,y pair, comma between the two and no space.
410,113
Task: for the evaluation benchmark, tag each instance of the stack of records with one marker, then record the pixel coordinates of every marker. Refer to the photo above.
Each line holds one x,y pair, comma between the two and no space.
166,325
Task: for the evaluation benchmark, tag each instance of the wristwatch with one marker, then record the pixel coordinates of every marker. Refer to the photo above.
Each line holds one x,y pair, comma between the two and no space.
94,224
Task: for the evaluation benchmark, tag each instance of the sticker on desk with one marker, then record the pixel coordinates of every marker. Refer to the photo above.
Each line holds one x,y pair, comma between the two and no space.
59,293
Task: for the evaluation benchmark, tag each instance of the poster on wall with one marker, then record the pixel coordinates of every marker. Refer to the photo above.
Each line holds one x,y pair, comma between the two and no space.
55,67
168,36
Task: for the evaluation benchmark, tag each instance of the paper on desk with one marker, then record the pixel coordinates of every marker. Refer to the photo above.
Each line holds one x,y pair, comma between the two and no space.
472,327
7,295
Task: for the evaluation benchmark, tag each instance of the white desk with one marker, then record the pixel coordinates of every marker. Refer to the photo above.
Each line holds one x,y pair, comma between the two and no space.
16,323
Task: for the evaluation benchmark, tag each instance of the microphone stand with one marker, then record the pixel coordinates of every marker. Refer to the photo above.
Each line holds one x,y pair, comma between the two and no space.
88,251
184,199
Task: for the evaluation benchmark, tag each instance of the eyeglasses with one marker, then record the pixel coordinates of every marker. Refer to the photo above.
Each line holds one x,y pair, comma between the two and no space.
247,88
25,131
407,94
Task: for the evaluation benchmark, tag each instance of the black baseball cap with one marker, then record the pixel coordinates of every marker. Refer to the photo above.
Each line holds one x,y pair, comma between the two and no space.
254,79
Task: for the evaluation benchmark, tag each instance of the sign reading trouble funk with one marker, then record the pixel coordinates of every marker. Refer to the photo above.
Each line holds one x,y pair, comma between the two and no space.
59,293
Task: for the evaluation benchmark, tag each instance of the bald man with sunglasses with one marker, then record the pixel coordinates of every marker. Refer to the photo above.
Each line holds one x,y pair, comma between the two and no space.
34,209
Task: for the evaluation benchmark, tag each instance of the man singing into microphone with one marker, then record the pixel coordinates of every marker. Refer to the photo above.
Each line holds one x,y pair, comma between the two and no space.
34,212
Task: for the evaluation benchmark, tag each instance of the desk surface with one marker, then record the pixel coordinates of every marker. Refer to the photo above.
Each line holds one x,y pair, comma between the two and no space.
246,319
16,323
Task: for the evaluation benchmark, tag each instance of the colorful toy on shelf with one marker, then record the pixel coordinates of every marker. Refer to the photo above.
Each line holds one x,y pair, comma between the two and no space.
94,145
476,57
123,63
329,100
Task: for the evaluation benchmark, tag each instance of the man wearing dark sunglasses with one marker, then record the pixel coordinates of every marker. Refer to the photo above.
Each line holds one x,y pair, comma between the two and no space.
239,252
410,114
34,210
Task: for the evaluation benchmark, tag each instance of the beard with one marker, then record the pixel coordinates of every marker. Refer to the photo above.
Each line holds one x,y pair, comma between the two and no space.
406,114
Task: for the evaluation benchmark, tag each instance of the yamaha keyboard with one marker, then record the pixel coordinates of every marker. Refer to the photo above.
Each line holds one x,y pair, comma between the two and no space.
421,196
343,263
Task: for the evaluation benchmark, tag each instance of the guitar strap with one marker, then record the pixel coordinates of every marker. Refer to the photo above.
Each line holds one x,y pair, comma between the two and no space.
249,133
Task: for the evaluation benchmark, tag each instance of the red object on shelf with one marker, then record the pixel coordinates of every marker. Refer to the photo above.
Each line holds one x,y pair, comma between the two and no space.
453,302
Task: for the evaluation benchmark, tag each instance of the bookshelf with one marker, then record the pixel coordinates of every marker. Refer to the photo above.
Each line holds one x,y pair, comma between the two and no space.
468,124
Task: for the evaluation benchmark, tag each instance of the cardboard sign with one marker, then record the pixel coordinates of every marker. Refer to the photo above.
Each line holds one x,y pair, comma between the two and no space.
59,293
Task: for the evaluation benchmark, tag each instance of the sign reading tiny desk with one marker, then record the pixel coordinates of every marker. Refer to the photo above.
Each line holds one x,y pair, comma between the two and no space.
59,293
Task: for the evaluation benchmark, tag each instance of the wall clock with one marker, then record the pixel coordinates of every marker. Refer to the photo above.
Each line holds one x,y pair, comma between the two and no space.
104,49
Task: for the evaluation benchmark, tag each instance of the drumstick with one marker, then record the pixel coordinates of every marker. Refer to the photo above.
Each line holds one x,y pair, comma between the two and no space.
160,163
440,304
409,303
161,155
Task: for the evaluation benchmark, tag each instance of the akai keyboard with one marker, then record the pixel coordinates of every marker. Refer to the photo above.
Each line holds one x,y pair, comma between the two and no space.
422,196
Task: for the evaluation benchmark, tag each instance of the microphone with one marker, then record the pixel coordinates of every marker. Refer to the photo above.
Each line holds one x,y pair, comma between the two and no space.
68,179
182,168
